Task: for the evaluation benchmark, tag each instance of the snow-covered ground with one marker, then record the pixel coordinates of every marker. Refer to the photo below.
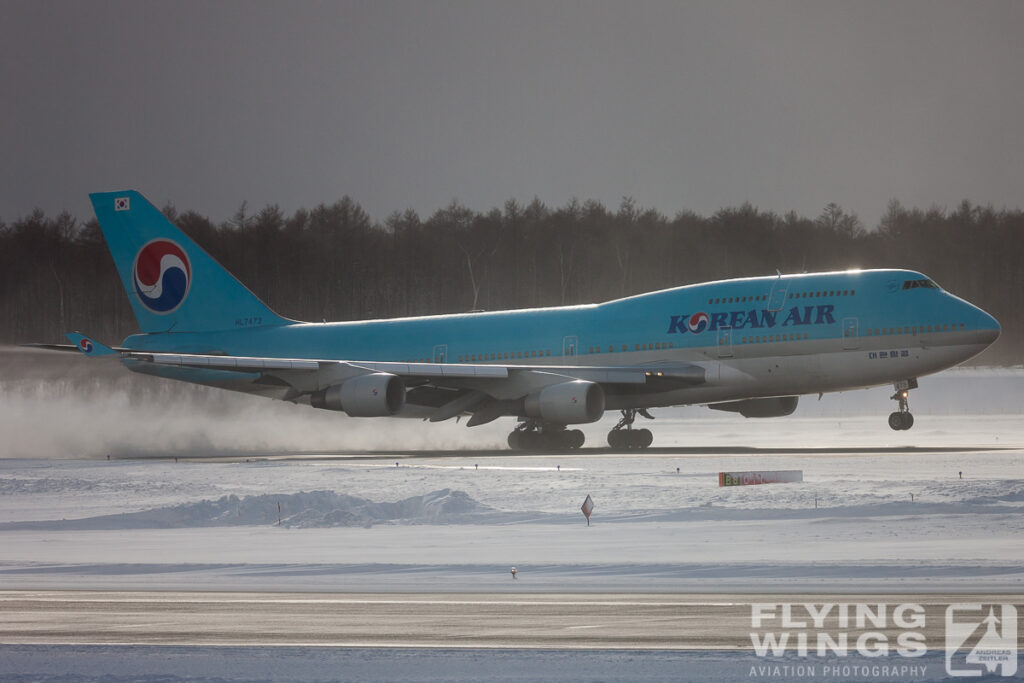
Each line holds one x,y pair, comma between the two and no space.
456,523
937,508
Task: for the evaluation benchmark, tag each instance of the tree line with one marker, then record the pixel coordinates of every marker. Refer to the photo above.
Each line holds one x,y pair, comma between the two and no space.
334,262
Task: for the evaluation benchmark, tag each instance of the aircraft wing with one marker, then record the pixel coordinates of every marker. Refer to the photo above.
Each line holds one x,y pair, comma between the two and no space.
441,390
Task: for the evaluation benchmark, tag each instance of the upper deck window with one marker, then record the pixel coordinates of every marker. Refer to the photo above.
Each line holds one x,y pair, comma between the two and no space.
914,284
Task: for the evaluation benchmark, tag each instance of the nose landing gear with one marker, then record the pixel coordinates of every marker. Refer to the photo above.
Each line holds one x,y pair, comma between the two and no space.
902,419
624,436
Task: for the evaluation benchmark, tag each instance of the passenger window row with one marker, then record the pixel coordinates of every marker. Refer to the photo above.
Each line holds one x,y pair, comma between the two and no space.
907,329
792,295
774,338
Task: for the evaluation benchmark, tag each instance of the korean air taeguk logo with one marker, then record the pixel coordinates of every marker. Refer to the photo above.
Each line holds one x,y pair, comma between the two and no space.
698,322
162,275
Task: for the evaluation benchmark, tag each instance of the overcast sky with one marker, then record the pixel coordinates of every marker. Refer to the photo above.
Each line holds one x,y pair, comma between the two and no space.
682,105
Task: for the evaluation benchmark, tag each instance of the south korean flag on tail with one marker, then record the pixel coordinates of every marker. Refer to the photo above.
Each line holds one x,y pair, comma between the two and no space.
121,204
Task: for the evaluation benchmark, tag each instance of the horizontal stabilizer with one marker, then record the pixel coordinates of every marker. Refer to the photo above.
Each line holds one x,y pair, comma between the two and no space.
88,346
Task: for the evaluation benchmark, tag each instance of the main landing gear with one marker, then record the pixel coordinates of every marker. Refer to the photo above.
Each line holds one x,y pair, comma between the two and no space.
624,436
533,435
902,419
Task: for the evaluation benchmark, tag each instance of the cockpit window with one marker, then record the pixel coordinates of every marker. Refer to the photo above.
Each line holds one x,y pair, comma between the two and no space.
914,284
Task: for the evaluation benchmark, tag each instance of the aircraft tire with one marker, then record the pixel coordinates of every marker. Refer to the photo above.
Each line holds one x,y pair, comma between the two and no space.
616,440
643,438
514,442
896,421
534,441
574,438
908,421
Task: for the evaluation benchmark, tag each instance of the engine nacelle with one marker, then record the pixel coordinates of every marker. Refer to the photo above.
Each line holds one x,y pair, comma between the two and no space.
376,395
760,407
575,402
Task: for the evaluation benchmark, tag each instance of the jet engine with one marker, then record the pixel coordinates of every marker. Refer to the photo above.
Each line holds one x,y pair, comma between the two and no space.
760,407
574,402
375,395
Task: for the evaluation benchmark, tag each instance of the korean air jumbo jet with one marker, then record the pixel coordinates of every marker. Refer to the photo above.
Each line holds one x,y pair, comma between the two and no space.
751,345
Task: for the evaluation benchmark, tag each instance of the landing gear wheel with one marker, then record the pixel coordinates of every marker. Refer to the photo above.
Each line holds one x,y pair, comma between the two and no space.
630,439
623,436
535,436
902,419
572,438
532,441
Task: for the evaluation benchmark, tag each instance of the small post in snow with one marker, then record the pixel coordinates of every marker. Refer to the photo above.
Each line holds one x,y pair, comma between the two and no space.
279,513
588,507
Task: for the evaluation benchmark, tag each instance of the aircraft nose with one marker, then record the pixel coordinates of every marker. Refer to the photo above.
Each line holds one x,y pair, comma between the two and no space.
988,327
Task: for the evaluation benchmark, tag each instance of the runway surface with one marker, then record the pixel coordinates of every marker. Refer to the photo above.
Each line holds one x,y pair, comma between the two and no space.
549,621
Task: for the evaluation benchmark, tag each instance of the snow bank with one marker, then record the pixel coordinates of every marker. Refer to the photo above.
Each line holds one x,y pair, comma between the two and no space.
315,509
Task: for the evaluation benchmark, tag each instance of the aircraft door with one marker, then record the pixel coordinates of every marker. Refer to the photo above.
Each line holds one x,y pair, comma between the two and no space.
441,353
778,296
569,346
725,342
851,334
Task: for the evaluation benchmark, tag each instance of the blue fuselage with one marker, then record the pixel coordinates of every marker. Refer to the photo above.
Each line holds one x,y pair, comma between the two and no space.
787,334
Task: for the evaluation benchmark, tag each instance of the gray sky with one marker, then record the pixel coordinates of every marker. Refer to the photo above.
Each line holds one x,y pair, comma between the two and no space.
682,105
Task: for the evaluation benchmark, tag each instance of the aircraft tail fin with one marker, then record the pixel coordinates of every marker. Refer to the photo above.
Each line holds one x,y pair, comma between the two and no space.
172,283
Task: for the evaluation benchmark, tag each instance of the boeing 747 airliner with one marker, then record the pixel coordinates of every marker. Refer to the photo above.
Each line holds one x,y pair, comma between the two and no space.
751,345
